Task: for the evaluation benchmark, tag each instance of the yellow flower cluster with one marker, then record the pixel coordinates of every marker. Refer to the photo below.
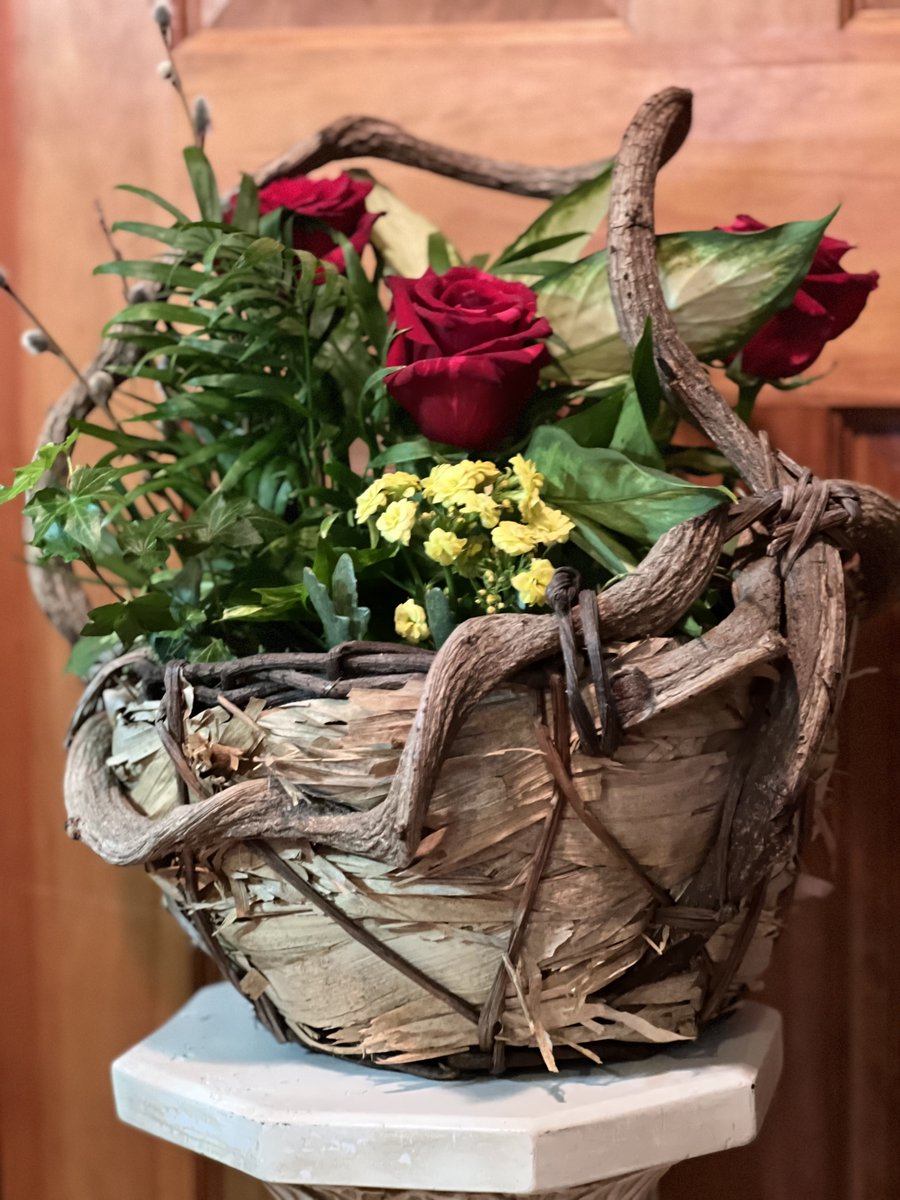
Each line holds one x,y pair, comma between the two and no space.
481,521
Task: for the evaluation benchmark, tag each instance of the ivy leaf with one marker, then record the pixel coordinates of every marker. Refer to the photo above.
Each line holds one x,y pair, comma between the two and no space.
132,619
87,652
229,523
720,288
28,477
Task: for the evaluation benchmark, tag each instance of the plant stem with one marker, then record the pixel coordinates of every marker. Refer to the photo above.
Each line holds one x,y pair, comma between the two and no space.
110,241
178,85
747,393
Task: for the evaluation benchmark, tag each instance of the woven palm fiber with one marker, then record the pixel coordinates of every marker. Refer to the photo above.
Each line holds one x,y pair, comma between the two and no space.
534,845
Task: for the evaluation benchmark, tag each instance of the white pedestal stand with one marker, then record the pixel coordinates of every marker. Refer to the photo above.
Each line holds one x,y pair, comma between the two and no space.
312,1126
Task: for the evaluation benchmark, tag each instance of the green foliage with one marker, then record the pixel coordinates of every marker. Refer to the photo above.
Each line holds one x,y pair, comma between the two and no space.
720,287
338,607
565,226
219,518
610,496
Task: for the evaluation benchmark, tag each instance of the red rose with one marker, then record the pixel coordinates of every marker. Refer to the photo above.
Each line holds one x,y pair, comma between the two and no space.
470,350
828,301
320,205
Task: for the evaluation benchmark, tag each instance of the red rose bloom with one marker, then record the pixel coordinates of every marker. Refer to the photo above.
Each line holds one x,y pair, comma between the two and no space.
321,205
470,350
828,301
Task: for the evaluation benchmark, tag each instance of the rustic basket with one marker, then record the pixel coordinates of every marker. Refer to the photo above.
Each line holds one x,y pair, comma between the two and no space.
528,844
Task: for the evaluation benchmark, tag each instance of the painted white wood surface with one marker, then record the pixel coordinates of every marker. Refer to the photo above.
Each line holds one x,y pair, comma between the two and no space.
213,1081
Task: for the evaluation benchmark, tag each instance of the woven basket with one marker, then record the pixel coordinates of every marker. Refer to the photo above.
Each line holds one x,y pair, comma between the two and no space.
530,845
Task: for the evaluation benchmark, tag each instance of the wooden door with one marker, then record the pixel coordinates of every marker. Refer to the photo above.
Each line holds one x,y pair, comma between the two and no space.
795,112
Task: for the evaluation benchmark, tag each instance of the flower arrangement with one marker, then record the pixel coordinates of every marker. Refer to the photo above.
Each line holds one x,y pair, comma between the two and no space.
321,442
322,422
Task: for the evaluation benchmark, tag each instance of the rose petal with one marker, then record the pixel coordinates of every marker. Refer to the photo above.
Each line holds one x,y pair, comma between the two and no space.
790,342
842,295
472,402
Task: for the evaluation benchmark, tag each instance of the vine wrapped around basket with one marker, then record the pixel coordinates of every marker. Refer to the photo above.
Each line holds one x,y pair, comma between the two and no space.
562,832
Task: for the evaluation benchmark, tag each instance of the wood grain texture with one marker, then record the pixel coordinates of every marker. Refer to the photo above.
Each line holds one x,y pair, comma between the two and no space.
97,965
830,1131
243,14
786,127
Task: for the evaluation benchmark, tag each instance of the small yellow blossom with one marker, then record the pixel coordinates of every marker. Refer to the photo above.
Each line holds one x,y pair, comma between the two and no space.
531,584
444,547
487,510
513,538
410,622
447,480
549,525
369,501
530,480
396,522
388,487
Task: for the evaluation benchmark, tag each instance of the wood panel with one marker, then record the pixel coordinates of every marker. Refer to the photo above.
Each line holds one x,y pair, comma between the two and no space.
786,126
830,1133
92,962
244,14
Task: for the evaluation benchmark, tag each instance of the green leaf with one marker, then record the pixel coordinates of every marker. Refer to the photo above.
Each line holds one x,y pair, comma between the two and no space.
342,618
170,274
439,257
720,287
441,620
203,181
645,375
88,650
28,477
157,310
415,450
246,207
525,253
631,435
401,234
215,650
568,222
602,489
285,603
600,544
145,194
169,235
223,522
131,619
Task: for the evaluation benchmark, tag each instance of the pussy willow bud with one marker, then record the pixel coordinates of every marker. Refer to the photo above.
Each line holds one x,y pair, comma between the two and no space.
162,15
165,70
138,294
101,386
202,117
35,341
